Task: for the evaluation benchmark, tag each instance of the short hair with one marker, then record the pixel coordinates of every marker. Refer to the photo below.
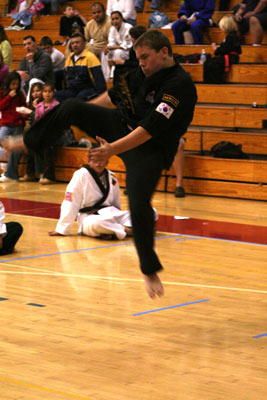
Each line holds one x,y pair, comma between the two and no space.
137,30
116,12
76,35
29,37
228,24
46,41
97,3
155,40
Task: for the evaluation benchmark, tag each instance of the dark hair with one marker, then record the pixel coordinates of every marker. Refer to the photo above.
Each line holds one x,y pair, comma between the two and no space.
34,85
116,12
46,41
137,30
154,40
49,85
30,37
3,35
77,34
97,3
11,76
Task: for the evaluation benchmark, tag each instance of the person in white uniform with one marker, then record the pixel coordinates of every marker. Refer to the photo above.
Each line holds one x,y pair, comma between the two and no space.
10,232
93,199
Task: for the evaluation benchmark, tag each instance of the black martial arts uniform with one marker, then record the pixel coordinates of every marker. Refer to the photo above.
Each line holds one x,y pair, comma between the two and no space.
163,104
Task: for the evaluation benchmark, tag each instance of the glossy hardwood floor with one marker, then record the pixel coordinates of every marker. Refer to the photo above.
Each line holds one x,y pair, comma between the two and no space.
92,333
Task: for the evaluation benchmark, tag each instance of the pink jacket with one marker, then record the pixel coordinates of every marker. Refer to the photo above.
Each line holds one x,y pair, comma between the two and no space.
42,109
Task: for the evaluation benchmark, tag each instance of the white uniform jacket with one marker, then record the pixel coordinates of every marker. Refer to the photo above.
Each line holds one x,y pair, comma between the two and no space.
2,217
83,191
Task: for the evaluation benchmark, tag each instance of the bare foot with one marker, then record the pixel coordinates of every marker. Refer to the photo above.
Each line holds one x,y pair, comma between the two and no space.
153,285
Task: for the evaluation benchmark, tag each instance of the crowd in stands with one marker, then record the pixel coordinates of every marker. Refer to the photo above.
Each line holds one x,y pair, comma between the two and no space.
95,51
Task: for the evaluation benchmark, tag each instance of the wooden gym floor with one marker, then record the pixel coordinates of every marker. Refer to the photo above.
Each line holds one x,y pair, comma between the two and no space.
76,323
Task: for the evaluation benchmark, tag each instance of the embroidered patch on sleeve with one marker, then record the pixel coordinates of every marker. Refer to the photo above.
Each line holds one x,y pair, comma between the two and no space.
165,110
170,100
68,196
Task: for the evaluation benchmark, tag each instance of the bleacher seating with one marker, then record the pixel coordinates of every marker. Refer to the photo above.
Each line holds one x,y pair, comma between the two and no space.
224,112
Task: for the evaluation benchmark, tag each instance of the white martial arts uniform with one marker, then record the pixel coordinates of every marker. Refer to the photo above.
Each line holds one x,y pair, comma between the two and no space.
83,191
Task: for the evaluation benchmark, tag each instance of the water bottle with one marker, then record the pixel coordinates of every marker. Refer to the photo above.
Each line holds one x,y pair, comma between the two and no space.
203,56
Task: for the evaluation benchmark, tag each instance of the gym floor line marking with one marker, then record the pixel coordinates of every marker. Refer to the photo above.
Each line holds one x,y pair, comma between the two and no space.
133,280
106,246
189,303
260,336
33,386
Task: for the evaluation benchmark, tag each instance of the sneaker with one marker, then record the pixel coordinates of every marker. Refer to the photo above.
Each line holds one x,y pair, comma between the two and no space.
27,178
4,178
45,181
179,192
18,28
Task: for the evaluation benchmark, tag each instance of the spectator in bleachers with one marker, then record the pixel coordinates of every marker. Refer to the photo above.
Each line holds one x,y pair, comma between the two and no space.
193,16
23,19
36,63
126,7
3,70
5,47
58,60
139,5
123,67
251,15
119,43
11,122
97,29
226,54
70,22
83,73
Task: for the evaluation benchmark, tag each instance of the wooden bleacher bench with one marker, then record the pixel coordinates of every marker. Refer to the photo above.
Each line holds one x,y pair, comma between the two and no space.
239,73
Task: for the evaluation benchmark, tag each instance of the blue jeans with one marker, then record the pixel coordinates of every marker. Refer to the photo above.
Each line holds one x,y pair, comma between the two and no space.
196,28
6,131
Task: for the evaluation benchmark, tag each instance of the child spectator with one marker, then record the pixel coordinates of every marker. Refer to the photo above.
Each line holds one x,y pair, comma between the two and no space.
5,47
42,163
10,232
12,122
70,22
226,54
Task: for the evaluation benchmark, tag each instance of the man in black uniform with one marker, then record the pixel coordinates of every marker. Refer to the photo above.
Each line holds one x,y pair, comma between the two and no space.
154,109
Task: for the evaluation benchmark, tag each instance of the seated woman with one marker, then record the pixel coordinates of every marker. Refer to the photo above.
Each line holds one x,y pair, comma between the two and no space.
194,16
119,44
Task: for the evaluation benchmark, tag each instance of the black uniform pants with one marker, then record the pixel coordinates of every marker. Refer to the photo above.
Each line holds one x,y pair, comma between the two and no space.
14,232
144,164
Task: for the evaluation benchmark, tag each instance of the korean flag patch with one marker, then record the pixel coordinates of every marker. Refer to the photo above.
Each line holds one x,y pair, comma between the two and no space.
165,109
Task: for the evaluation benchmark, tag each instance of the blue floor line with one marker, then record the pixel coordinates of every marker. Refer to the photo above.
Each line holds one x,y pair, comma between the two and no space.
170,307
107,246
